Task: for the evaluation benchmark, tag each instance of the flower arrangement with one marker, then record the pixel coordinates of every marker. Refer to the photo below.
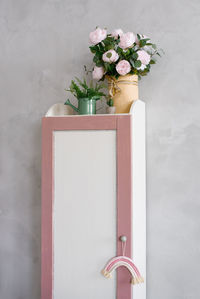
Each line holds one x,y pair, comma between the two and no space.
87,95
118,54
82,90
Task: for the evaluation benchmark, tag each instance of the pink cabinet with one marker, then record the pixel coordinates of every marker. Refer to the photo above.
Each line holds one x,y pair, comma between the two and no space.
93,192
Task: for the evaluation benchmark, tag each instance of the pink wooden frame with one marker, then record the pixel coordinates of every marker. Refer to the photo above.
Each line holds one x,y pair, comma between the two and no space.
120,123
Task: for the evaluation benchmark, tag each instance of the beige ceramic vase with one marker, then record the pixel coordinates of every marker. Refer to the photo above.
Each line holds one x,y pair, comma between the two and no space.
123,91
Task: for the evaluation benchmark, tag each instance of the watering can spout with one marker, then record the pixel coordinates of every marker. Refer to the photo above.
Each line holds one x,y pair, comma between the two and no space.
70,104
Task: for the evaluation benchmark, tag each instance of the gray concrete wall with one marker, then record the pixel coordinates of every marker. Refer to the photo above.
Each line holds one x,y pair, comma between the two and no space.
42,45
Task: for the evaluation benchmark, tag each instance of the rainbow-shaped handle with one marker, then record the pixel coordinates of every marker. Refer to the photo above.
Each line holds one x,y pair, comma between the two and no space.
119,261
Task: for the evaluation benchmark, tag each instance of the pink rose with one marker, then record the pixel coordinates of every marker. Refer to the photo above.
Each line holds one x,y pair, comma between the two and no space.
98,73
123,67
110,56
127,40
144,57
97,36
116,33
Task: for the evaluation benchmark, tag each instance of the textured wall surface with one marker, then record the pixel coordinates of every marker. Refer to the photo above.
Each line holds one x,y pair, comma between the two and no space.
43,44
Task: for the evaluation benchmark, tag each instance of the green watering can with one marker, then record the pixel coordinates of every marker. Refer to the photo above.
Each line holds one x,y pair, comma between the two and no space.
85,105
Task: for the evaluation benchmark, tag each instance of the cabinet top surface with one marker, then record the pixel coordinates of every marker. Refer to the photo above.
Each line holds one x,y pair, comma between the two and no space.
54,114
89,116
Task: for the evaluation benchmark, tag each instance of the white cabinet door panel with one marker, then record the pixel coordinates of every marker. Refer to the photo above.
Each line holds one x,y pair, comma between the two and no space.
84,213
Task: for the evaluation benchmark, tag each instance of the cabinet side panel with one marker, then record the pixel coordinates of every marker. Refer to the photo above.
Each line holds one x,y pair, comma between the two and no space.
47,195
139,195
84,213
124,211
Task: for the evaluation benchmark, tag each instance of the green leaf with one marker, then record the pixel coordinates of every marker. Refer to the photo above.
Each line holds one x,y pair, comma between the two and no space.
127,52
146,39
84,91
96,98
109,47
135,55
152,61
97,60
93,49
132,62
154,46
106,42
82,84
138,63
110,102
101,48
142,43
107,66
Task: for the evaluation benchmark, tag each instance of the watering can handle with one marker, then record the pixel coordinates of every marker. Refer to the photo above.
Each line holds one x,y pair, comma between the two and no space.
70,104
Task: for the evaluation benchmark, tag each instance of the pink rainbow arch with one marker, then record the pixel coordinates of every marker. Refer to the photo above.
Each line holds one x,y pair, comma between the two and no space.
119,261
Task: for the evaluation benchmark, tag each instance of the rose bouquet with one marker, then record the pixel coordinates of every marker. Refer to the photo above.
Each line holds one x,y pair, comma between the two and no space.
121,58
118,54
